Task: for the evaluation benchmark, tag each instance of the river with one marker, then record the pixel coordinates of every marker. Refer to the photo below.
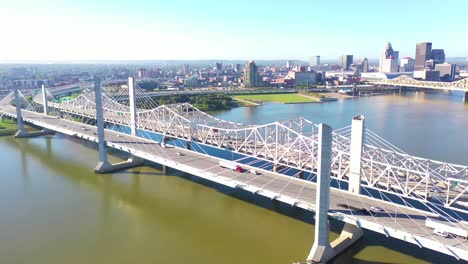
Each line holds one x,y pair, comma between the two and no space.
54,209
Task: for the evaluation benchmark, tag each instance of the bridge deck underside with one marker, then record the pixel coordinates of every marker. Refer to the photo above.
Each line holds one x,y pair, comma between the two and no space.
397,219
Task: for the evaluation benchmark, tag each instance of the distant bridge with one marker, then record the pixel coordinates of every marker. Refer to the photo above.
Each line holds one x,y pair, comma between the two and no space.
376,186
406,81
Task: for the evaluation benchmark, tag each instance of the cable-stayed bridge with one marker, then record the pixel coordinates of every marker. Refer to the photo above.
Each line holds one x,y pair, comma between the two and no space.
376,186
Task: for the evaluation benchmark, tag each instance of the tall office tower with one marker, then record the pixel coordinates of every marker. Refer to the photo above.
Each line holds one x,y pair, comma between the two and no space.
315,61
289,64
438,55
219,66
237,67
423,53
407,64
251,77
388,59
186,69
345,61
365,65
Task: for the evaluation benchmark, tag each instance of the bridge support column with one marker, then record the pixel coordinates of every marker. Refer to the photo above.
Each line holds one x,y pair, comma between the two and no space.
465,98
188,144
104,166
44,101
357,136
21,132
133,109
3,118
322,250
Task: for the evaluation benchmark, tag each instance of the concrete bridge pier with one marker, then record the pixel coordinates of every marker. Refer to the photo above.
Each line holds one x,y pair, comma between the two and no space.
44,101
104,166
322,250
357,136
133,109
465,98
22,133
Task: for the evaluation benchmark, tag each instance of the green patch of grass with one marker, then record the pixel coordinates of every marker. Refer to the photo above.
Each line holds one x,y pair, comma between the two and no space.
279,98
8,124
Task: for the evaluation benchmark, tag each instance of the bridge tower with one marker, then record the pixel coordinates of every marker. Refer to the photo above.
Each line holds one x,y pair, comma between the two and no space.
21,132
44,101
357,137
133,109
322,250
104,166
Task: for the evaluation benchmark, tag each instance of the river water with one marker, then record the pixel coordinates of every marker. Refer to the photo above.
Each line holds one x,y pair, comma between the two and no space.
54,209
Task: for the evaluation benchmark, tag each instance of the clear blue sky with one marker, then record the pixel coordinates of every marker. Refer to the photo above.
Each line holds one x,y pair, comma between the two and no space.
221,29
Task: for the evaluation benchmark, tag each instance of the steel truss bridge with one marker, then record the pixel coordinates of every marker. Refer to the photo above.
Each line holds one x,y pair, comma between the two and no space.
366,171
406,81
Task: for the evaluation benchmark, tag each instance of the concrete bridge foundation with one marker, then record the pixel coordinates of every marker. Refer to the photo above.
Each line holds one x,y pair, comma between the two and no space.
104,166
465,97
322,250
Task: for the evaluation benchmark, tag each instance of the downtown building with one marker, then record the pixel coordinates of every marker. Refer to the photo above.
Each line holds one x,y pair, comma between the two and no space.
345,62
251,76
423,54
407,64
388,62
315,61
446,71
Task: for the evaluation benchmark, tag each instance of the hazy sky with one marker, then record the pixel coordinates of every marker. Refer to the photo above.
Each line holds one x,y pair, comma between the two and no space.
221,29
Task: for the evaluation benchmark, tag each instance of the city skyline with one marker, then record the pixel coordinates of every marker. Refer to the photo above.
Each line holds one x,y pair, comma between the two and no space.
159,30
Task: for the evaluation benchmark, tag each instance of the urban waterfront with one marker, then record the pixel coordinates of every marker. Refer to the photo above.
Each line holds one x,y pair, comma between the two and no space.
56,210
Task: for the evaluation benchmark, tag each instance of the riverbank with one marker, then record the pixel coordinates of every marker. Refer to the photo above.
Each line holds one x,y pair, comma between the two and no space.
7,127
278,98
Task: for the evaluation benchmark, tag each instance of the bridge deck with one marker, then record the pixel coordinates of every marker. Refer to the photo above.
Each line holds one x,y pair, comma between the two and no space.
398,221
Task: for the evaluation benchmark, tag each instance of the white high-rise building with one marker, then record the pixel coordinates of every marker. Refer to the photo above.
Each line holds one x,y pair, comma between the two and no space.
315,61
388,59
407,64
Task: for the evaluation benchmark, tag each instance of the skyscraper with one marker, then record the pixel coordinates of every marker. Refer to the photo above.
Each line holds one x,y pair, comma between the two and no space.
315,61
423,53
219,66
407,64
438,55
345,61
388,59
447,71
186,69
251,77
365,65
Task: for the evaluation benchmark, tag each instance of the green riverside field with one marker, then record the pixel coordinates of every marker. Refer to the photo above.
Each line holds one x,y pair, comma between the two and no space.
279,98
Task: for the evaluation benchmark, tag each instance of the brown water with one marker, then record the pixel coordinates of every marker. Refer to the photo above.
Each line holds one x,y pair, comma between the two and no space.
54,209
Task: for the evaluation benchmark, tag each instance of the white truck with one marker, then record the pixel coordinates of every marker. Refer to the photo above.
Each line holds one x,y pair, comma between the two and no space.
228,164
442,227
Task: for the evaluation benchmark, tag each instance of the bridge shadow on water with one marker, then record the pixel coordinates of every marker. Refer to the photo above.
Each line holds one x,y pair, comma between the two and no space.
358,253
